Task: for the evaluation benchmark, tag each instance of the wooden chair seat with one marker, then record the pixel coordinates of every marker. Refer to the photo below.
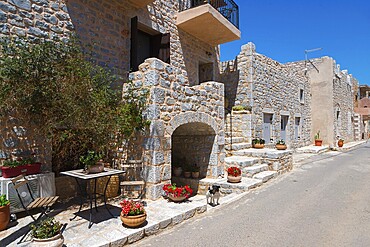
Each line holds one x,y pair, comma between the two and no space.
42,202
132,183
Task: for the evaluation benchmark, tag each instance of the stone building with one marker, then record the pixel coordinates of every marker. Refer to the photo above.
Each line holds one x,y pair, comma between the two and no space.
333,97
172,49
362,109
278,94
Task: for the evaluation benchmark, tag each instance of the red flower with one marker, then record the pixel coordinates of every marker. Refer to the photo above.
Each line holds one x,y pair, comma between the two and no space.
129,207
173,190
234,171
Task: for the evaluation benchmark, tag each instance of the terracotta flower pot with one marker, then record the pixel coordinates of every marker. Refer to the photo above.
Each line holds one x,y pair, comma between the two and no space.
133,221
318,142
187,174
195,174
281,146
177,171
233,179
99,167
340,143
259,146
176,199
55,241
4,216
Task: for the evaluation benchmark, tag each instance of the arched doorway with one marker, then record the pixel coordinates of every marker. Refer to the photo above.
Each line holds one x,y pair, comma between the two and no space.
192,148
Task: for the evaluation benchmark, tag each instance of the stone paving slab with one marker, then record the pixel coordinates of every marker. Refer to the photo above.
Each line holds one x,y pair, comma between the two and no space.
242,161
313,149
265,176
268,153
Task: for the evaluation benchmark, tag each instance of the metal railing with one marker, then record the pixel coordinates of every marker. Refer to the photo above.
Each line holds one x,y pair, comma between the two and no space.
228,8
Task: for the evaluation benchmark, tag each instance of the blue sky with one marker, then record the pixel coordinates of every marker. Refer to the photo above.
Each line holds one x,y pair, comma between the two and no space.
283,30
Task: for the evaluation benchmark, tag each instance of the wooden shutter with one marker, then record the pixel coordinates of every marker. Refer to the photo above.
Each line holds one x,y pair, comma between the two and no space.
134,41
164,51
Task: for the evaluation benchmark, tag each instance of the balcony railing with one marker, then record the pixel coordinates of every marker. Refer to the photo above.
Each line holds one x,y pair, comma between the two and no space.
228,8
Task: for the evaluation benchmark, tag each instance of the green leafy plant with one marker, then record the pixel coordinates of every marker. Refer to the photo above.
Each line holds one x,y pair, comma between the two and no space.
47,228
317,136
90,158
280,142
241,108
258,141
3,201
74,103
12,163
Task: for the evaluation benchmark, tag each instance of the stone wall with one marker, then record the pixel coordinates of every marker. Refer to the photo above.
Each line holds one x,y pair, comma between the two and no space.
173,104
104,29
269,87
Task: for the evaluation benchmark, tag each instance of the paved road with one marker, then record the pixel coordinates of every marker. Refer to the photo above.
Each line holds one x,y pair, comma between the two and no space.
324,202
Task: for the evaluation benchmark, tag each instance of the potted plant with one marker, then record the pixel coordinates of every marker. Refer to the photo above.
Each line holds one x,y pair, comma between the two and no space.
187,171
4,212
318,141
92,162
47,233
258,143
177,170
340,142
133,213
195,171
241,109
280,145
234,174
13,168
177,194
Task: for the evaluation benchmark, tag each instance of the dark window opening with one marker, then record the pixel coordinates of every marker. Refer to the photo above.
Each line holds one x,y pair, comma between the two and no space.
147,43
205,72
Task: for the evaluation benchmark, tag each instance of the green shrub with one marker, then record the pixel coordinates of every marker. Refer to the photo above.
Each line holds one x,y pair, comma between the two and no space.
54,86
241,108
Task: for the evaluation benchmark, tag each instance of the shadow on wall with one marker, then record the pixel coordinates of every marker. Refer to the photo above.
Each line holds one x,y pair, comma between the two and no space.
197,55
21,140
192,146
230,77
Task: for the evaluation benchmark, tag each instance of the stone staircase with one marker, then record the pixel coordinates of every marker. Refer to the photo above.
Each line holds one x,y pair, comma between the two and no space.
257,165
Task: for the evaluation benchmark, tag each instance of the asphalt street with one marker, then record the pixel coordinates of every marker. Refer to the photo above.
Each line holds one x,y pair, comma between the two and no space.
323,202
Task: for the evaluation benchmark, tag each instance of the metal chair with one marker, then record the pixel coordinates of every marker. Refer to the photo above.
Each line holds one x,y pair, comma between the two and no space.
133,180
43,203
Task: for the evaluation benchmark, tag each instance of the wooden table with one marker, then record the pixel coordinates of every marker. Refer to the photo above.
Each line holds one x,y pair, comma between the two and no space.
91,194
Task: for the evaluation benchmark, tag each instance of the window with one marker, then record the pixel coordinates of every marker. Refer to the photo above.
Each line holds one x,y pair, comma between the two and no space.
146,43
301,96
297,128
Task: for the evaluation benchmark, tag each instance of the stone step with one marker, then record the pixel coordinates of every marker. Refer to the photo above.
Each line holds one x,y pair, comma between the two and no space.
265,176
235,140
238,146
268,153
227,188
250,171
241,161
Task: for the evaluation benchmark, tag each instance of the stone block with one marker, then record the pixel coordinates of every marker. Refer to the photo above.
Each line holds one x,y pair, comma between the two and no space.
154,191
152,112
22,4
166,173
152,143
157,158
151,78
152,174
158,95
156,128
151,229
